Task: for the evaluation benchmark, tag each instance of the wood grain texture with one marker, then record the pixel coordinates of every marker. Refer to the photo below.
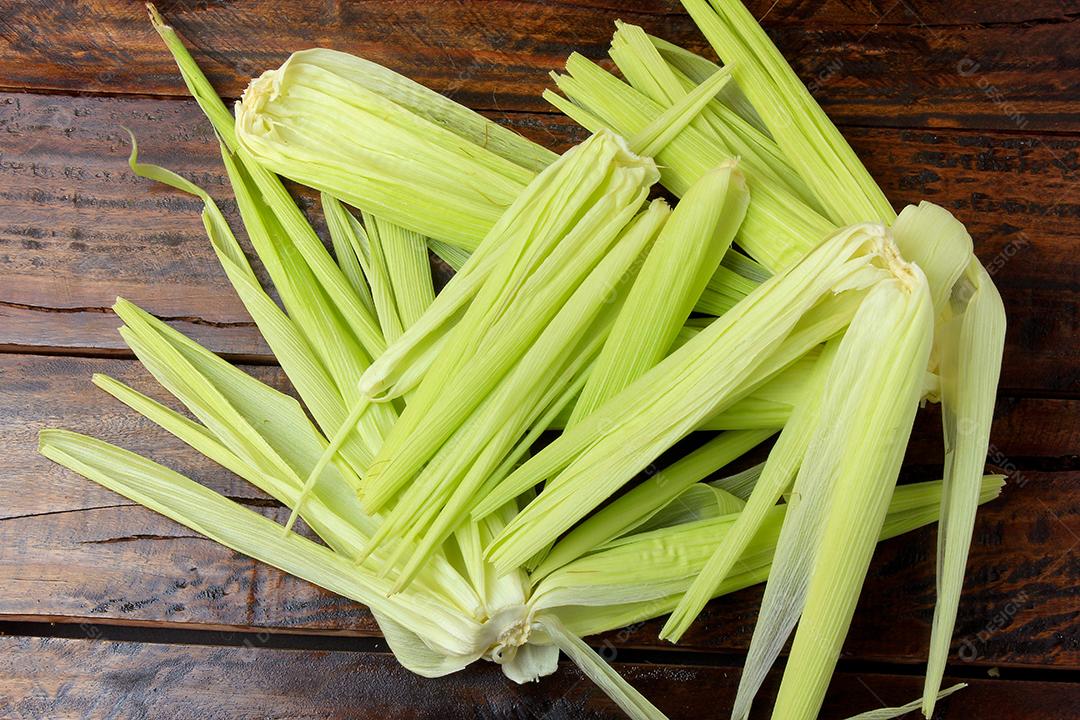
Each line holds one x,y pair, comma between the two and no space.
871,63
73,552
52,678
80,229
970,104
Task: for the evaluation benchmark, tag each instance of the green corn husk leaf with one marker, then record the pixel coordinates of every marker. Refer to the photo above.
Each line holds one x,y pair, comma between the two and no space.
410,271
779,471
970,367
825,320
281,422
741,484
342,353
779,227
641,576
296,230
646,499
435,108
452,255
683,114
291,348
768,407
550,205
670,123
349,248
725,289
392,263
427,104
646,71
445,629
888,713
449,482
341,528
674,274
382,285
968,349
569,346
535,271
403,366
700,501
758,411
698,69
808,139
922,236
736,277
399,271
197,84
210,390
629,700
556,403
745,267
171,365
930,237
311,120
594,458
842,493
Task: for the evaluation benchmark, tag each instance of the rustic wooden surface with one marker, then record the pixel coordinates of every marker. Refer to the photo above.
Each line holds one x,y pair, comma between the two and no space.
108,678
112,611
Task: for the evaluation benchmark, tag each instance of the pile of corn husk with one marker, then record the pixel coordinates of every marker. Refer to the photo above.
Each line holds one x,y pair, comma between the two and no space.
653,344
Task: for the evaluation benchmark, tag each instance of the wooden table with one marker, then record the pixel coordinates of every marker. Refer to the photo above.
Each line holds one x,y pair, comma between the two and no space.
107,610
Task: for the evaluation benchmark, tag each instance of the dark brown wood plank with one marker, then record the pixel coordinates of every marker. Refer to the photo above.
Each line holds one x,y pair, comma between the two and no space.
73,552
941,76
79,678
888,12
1026,431
76,220
78,228
874,63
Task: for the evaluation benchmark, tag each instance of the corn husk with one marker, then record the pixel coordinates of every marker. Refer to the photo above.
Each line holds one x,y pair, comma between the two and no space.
675,272
452,255
643,501
842,492
448,484
350,248
888,713
805,135
318,121
694,382
779,227
646,70
698,69
311,371
776,477
970,367
926,234
551,311
642,575
598,187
